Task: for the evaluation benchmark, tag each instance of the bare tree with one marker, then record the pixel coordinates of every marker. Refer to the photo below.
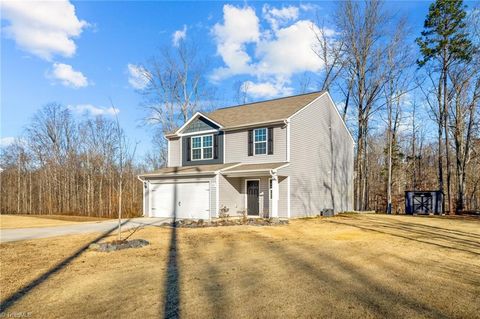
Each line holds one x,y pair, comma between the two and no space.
465,100
330,49
395,89
241,89
61,166
176,87
363,32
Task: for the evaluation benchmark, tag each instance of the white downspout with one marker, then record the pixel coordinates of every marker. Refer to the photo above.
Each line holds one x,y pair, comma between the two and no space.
287,124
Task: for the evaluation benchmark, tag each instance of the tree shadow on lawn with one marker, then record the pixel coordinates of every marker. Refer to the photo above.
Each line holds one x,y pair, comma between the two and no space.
410,230
446,231
332,281
216,280
8,302
171,305
361,286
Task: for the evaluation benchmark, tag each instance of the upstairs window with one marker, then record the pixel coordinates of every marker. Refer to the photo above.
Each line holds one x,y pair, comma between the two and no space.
202,147
260,141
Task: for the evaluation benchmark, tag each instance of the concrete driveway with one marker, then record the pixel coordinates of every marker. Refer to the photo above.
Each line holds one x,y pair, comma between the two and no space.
8,235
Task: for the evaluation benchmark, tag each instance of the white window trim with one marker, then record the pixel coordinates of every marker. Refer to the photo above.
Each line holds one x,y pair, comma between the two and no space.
266,141
201,148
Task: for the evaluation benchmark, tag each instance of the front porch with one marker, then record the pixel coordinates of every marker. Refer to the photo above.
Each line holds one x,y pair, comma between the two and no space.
254,189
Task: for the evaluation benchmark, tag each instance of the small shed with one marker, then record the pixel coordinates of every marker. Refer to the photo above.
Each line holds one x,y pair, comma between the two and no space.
423,202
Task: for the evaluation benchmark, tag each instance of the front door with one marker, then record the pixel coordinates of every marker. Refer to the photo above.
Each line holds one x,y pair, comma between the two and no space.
252,197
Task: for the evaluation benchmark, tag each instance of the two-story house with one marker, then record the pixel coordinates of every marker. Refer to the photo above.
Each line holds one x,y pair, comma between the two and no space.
287,157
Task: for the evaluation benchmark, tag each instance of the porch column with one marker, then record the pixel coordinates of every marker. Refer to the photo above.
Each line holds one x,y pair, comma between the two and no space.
274,195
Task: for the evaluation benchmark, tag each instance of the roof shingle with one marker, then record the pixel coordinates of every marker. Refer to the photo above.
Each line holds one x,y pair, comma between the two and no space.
259,112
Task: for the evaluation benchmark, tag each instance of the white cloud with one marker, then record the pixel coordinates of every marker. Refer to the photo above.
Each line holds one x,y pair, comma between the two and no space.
309,7
6,141
291,51
271,55
67,76
43,28
137,76
279,17
266,89
240,26
179,35
93,110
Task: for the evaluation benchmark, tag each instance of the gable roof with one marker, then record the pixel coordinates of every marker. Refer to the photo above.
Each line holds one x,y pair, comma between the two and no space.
260,112
196,115
269,111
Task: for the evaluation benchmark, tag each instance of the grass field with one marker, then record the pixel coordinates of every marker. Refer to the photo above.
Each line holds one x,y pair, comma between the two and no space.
28,221
372,266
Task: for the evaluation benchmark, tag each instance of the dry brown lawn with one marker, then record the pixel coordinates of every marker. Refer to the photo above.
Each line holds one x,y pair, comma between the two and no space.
341,267
29,221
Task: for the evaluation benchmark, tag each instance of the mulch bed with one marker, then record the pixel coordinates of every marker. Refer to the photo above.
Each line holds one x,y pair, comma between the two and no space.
190,223
119,244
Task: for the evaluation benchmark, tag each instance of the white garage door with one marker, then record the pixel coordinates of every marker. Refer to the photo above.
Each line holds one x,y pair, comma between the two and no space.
185,200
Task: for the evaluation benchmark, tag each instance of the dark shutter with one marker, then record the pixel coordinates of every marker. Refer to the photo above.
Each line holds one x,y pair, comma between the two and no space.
189,147
270,140
215,146
250,142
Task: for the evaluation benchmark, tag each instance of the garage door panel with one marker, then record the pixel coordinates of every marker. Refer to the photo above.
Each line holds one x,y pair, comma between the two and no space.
162,201
184,200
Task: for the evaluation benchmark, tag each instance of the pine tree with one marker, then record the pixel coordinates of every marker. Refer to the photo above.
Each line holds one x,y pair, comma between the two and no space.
444,41
444,36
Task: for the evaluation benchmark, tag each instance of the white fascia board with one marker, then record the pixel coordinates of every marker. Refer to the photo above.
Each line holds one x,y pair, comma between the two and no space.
198,133
228,167
210,173
268,170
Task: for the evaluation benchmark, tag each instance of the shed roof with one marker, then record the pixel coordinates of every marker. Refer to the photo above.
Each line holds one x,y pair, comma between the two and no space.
188,170
255,167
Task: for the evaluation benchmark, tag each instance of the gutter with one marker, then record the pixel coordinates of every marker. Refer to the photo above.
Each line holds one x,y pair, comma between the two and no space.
178,175
280,121
233,128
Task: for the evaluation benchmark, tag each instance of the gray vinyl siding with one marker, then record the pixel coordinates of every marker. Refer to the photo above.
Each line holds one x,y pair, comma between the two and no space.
283,197
264,196
231,195
321,159
198,125
236,147
213,197
174,154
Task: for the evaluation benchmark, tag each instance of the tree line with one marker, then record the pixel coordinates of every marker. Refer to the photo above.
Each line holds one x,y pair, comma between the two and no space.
410,100
64,166
397,87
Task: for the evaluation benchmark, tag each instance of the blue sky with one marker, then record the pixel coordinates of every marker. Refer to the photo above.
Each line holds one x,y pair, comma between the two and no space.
77,53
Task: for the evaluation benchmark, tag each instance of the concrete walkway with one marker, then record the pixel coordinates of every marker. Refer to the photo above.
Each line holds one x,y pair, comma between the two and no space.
8,235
